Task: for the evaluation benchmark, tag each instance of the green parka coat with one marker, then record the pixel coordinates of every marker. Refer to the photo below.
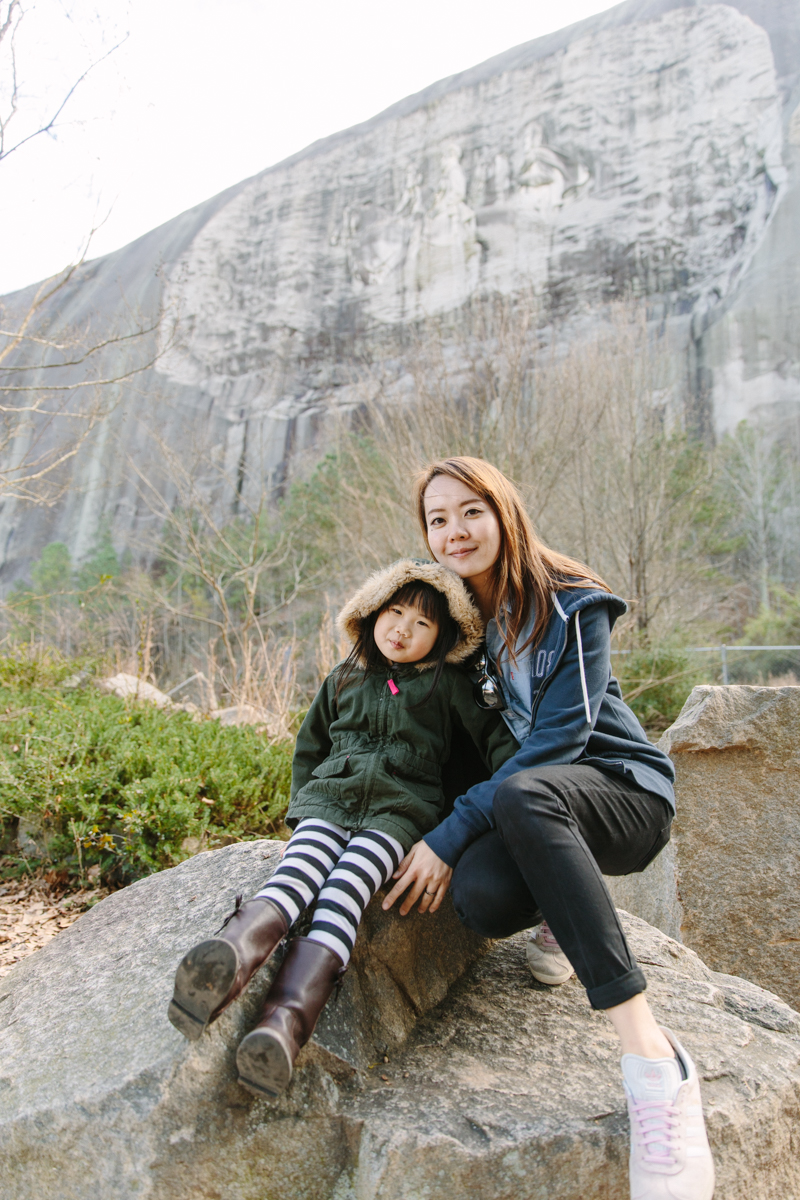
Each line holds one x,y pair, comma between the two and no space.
369,759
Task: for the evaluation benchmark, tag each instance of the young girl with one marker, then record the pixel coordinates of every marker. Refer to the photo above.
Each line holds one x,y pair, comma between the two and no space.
366,785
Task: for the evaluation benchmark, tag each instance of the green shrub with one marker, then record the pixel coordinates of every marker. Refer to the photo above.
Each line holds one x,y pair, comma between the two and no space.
778,625
656,682
122,784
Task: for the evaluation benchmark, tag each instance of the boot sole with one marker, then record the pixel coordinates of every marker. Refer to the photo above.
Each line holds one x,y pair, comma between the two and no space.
202,983
264,1065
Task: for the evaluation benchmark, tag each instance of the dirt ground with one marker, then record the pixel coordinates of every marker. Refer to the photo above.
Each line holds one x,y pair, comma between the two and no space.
34,910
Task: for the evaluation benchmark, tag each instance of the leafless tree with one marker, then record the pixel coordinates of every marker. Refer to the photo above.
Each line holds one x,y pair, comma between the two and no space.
12,13
589,425
761,489
219,579
54,387
629,499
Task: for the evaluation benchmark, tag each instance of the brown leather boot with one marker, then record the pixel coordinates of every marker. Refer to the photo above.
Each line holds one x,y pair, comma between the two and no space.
299,992
216,971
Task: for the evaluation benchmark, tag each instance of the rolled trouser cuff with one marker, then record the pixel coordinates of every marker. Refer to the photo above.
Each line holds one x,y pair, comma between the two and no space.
608,995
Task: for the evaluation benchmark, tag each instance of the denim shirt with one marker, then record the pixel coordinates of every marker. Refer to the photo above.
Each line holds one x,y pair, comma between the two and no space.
516,678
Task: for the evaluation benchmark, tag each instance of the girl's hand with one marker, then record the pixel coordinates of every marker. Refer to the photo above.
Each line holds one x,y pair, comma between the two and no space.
426,875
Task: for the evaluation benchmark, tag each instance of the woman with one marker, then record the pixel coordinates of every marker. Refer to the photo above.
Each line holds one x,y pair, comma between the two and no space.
586,794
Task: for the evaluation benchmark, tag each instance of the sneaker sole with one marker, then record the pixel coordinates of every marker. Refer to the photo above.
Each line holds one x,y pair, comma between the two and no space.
202,982
551,980
263,1063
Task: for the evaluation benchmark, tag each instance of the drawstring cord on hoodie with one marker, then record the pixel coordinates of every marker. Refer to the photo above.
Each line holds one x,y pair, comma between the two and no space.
582,669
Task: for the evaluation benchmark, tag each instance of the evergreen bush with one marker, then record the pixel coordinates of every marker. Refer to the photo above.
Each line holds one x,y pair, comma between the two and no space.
98,780
656,682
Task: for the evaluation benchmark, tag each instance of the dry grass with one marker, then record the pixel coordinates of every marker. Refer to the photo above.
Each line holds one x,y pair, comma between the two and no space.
34,910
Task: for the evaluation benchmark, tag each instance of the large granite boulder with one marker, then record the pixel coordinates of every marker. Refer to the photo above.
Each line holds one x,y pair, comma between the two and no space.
652,894
737,755
504,1090
728,885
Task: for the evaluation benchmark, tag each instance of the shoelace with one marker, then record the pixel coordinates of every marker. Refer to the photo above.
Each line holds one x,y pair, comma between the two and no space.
655,1121
545,938
231,915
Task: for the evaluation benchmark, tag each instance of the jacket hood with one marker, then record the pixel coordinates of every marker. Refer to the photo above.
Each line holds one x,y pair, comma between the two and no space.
383,584
572,600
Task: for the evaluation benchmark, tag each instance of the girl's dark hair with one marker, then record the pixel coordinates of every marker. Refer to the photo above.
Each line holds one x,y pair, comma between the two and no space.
432,604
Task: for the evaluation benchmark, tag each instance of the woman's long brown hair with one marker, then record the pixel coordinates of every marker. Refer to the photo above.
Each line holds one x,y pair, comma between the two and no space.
527,572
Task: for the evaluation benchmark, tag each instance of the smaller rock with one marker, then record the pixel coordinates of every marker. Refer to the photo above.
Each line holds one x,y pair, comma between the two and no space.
33,839
736,751
130,687
241,714
79,680
249,714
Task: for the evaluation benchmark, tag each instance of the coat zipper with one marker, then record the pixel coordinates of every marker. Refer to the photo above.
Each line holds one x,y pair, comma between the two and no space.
548,680
381,723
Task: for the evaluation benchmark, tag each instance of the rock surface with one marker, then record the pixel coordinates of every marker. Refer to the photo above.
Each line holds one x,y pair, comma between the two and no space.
652,894
653,149
737,755
507,1090
728,884
131,687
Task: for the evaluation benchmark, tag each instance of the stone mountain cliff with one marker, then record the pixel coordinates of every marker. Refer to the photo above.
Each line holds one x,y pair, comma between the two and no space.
653,149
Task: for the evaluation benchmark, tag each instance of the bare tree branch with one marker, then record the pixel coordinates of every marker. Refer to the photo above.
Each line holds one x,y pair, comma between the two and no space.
69,362
48,126
9,26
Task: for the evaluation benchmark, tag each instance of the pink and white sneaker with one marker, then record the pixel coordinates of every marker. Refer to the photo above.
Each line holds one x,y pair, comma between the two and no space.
670,1156
547,961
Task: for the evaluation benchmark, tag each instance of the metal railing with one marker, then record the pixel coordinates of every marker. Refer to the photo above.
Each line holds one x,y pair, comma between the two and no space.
722,651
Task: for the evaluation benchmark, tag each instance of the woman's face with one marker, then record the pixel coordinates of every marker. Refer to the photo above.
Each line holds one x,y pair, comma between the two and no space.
463,531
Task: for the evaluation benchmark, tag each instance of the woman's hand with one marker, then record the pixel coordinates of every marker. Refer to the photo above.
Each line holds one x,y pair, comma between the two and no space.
426,875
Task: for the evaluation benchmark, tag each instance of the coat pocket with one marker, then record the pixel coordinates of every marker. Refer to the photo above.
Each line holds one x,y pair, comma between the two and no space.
406,765
335,766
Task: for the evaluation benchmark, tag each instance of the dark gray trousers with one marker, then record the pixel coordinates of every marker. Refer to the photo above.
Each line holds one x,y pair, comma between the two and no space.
559,830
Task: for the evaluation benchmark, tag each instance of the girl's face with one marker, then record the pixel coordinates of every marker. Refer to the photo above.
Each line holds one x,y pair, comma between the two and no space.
463,531
404,635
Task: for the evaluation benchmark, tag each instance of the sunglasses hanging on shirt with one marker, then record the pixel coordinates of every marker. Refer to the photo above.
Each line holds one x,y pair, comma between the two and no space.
486,690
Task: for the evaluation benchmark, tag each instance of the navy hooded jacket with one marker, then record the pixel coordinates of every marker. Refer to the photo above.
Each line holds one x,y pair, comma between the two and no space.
564,706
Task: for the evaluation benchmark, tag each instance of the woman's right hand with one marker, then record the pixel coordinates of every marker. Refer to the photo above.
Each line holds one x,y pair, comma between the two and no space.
428,877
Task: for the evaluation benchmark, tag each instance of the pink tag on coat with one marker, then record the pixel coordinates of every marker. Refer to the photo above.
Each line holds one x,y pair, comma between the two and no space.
393,688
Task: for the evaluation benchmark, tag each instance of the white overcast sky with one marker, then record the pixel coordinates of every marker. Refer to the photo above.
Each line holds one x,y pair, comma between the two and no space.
202,94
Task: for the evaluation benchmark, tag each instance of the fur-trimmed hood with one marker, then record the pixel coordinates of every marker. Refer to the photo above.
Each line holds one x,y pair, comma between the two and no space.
383,584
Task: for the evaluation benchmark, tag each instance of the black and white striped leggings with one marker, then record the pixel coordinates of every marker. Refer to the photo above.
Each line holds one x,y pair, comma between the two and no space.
340,870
